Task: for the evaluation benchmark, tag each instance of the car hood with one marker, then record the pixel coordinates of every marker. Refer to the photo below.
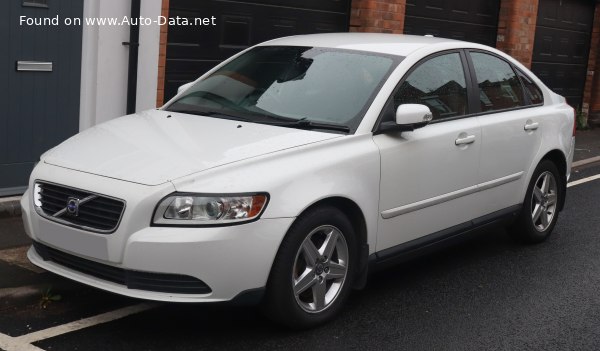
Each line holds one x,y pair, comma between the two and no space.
154,147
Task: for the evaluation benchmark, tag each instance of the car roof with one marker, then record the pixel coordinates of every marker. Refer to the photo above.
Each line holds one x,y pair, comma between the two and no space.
394,44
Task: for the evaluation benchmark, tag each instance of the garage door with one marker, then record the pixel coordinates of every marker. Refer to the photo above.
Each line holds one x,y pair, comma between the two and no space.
562,44
471,20
192,51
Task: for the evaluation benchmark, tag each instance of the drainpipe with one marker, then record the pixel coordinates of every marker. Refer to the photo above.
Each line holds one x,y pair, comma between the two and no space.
133,43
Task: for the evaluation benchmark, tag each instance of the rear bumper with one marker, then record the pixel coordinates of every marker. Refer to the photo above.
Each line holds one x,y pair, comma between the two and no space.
570,157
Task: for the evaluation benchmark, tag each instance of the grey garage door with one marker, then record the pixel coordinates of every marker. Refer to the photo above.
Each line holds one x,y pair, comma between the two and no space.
39,100
192,51
562,44
471,20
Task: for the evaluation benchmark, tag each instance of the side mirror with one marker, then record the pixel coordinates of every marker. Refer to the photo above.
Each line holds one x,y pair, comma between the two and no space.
408,118
184,87
413,114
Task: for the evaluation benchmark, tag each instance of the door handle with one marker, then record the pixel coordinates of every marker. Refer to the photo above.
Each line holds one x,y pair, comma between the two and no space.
529,126
469,139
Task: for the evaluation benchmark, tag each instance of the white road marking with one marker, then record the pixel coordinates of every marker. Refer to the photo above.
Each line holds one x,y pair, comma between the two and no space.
584,180
84,323
24,342
586,161
9,343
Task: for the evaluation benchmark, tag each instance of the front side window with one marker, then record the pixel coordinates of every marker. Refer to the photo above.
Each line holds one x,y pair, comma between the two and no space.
439,83
499,87
291,86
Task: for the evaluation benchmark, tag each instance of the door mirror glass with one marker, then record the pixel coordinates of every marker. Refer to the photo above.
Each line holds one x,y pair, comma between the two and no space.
184,87
413,114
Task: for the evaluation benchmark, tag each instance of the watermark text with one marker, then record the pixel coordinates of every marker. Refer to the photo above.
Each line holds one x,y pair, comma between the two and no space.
117,21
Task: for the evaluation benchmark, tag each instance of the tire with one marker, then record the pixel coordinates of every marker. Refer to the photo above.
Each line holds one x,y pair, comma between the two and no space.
313,271
541,206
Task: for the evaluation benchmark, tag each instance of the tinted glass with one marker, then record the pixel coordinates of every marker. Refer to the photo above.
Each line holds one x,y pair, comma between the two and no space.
438,83
275,84
531,89
499,87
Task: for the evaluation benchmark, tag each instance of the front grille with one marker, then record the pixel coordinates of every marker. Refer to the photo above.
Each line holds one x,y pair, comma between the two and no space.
88,210
159,282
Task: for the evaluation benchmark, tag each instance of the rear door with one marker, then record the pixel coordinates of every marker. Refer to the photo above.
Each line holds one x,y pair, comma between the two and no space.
512,121
428,176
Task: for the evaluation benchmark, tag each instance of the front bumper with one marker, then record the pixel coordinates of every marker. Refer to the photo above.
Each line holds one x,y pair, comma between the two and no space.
229,260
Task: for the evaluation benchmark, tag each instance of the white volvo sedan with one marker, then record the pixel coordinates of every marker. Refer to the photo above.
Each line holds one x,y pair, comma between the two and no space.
291,170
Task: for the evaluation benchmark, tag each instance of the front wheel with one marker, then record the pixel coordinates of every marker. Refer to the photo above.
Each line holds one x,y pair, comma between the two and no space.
313,271
540,208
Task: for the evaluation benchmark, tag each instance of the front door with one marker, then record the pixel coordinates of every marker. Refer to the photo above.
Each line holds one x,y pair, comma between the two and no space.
39,83
428,176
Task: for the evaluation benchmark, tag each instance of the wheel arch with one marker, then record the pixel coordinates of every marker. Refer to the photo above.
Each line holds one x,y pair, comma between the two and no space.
559,159
351,209
357,218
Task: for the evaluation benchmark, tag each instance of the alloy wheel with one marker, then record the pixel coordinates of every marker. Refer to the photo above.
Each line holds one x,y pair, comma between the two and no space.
543,201
320,268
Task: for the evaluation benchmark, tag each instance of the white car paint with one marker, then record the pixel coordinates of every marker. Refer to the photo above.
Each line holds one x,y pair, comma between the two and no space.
406,185
155,146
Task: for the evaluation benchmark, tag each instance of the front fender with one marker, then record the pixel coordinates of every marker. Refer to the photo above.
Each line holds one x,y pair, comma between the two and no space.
347,167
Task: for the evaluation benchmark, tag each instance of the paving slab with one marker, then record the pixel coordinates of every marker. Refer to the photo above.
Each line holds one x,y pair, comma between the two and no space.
587,144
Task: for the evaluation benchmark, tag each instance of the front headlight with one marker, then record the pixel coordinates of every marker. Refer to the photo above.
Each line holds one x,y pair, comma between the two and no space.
209,209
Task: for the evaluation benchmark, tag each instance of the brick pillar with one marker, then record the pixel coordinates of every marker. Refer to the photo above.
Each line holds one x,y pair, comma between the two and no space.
516,29
591,92
162,56
380,16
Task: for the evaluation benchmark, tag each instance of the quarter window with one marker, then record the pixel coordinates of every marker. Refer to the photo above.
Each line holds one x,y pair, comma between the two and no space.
531,89
499,87
438,83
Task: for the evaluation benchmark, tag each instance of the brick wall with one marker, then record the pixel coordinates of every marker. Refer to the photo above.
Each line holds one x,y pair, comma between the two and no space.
162,56
516,29
591,93
379,16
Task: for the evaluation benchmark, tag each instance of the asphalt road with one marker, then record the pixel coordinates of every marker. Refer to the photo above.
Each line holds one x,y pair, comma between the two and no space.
487,293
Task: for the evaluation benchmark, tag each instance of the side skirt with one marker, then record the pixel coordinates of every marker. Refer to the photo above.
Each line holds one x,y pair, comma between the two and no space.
438,240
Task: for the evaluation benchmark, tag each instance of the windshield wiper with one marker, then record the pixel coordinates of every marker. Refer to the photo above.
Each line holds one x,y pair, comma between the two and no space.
209,113
307,124
279,121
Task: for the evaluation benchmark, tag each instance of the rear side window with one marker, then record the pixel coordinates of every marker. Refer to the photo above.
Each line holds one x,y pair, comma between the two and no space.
531,89
499,87
439,83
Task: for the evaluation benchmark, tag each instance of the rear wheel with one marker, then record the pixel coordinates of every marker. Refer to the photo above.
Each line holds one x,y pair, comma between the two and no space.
540,208
313,272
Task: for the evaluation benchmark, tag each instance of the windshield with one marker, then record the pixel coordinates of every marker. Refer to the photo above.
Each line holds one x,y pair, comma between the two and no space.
293,86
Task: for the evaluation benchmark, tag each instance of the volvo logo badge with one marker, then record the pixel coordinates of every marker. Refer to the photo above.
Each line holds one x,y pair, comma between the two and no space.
73,206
